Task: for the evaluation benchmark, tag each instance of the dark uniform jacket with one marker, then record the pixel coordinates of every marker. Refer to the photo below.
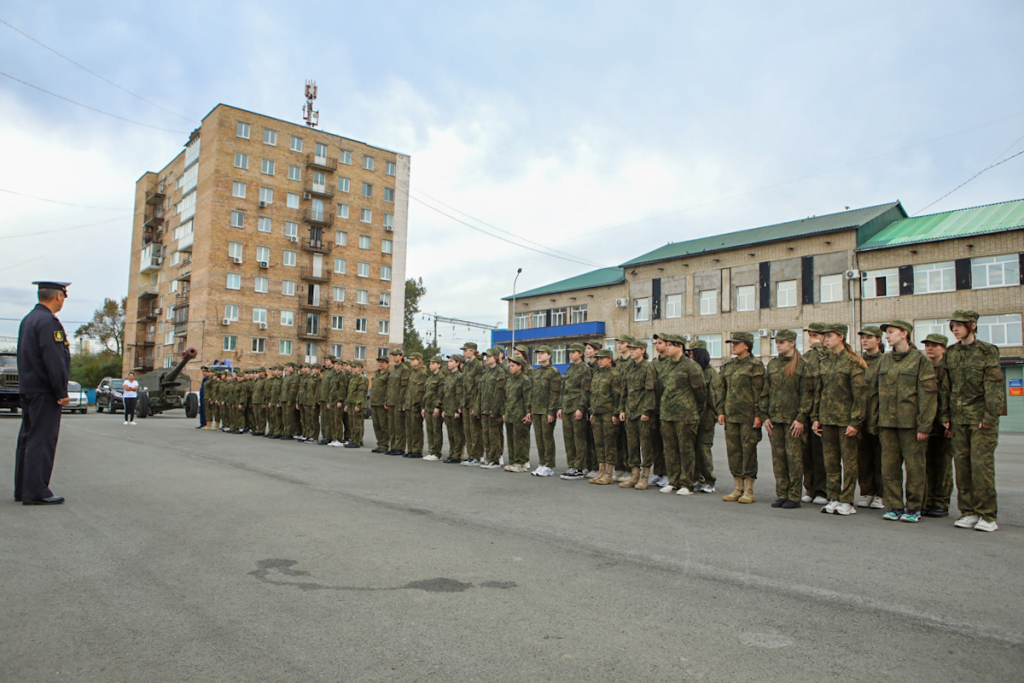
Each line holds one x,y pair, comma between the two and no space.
44,357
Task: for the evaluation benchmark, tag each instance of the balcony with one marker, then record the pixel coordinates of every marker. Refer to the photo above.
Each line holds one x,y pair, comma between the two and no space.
323,163
310,276
181,329
154,221
319,190
184,270
318,246
147,291
147,312
181,299
185,242
143,362
156,195
145,340
318,217
319,335
321,305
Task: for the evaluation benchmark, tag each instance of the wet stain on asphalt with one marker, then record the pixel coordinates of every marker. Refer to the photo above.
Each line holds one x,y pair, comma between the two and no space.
280,572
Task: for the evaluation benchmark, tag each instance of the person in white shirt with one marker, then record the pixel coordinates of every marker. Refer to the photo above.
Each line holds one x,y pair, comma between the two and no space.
131,397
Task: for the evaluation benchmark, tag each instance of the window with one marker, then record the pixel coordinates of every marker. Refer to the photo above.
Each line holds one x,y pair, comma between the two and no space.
382,351
288,318
714,342
385,274
558,316
345,157
269,137
235,250
267,195
291,229
263,254
641,309
319,181
1000,330
344,185
745,300
364,270
922,328
231,312
284,347
799,342
362,296
386,246
995,271
336,350
340,266
339,294
365,215
383,327
238,189
241,160
756,350
361,325
294,172
521,321
540,319
311,352
559,354
296,144
175,260
261,284
320,150
259,315
360,353
368,163
230,342
831,288
292,200
708,302
268,167
242,130
389,194
291,258
876,284
367,190
674,306
389,221
237,219
389,168
169,337
259,344
337,322
288,287
578,314
341,238
385,299
234,281
364,241
785,294
173,286
263,224
934,277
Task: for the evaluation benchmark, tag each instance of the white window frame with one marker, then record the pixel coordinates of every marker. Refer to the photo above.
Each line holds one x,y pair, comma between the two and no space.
338,294
235,250
360,352
540,319
385,275
291,229
746,298
365,215
287,318
296,144
363,269
242,161
362,296
261,285
345,157
388,220
259,345
641,309
336,350
234,281
270,137
294,172
230,342
290,259
288,287
238,189
559,354
367,163
231,312
385,299
925,326
367,190
340,266
383,327
709,302
389,194
340,238
362,325
830,288
869,283
789,289
337,323
344,185
714,344
292,200
264,224
386,246
932,278
262,254
1000,330
284,347
364,241
674,306
559,316
259,315
1007,265
390,168
267,167
267,195
578,314
521,321
242,130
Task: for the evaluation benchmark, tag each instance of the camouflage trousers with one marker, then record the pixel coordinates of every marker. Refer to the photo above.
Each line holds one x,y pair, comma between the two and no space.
814,467
869,465
590,462
680,439
741,441
519,444
657,449
901,449
356,424
622,447
787,461
638,442
544,435
494,440
328,420
312,430
509,435
292,420
474,428
249,416
435,432
396,428
974,454
414,429
260,418
840,454
273,419
380,426
605,443
456,437
938,468
342,430
705,470
574,436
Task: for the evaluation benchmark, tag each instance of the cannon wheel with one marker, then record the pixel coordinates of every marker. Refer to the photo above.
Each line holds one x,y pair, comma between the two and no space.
142,409
191,406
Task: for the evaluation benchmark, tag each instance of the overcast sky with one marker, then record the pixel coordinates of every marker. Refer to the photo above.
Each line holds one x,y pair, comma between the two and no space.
602,130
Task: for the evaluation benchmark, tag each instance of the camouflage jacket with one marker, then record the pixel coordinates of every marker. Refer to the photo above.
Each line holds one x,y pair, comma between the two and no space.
517,397
312,390
355,397
379,388
417,388
785,400
290,389
575,389
452,401
638,390
339,387
433,395
245,392
273,391
259,391
658,365
742,384
841,392
545,390
871,379
813,357
605,397
472,376
328,380
908,393
716,398
977,394
942,413
492,391
398,384
684,395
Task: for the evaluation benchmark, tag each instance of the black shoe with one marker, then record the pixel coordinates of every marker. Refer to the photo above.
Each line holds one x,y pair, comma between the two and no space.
414,455
447,461
321,442
352,445
376,450
396,452
935,512
200,426
52,500
791,504
779,502
285,437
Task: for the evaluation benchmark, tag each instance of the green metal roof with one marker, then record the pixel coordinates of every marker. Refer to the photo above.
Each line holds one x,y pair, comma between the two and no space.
875,216
977,220
595,278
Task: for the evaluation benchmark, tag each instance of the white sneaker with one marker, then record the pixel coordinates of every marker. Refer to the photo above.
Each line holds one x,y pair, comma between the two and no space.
490,466
335,443
126,421
845,509
877,503
134,422
866,501
669,489
663,480
707,488
807,499
431,458
818,500
982,525
967,522
830,507
543,471
683,491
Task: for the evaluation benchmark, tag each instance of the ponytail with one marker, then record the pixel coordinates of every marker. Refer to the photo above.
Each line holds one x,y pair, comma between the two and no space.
790,369
857,359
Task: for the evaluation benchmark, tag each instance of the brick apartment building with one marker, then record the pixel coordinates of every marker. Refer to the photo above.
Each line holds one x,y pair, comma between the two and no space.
266,241
863,266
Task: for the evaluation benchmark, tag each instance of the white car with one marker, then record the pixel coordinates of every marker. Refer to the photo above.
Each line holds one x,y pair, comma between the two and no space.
79,399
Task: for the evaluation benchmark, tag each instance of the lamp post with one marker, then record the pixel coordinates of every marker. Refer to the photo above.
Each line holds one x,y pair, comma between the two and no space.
513,349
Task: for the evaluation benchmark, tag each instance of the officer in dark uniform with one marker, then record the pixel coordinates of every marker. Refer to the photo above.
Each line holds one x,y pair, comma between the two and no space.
44,363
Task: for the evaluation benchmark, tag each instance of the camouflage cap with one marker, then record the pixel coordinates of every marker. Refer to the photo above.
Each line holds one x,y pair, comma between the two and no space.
817,328
699,344
636,344
596,344
604,353
382,359
785,335
940,339
837,328
493,352
521,362
330,358
525,350
292,364
900,324
544,349
674,338
577,347
457,357
745,337
397,352
871,330
628,338
469,345
356,363
415,355
437,359
964,316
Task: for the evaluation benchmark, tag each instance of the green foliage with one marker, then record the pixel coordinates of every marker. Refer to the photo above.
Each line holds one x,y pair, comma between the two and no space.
411,340
89,369
107,325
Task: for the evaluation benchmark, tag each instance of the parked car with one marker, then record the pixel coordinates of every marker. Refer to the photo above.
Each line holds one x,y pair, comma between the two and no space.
109,395
9,397
79,400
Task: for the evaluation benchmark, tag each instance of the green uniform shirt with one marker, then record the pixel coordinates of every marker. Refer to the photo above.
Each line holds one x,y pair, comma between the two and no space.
841,391
433,394
398,384
379,388
545,390
684,395
517,397
605,397
977,395
638,390
743,382
575,389
492,391
785,400
453,395
417,388
908,393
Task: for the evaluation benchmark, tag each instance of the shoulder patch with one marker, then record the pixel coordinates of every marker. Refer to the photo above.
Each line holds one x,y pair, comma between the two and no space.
58,336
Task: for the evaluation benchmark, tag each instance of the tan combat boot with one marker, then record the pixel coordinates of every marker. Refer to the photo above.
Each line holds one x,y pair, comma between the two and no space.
600,473
633,480
748,491
608,477
737,494
642,484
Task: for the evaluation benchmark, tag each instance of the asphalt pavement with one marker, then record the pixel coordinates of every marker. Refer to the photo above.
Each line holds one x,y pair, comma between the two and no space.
187,555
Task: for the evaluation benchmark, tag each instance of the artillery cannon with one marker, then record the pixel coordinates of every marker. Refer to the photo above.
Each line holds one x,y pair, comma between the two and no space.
160,390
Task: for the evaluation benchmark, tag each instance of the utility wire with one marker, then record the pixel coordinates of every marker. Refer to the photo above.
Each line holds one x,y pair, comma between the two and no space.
74,227
85,106
987,168
54,201
94,73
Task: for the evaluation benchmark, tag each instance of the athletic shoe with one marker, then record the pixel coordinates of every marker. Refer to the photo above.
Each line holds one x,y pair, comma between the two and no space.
543,471
892,515
349,444
877,503
865,501
490,466
830,507
126,421
668,489
819,500
431,458
935,512
845,509
967,522
683,491
520,468
778,502
509,468
663,481
790,505
134,423
336,444
706,488
982,525
572,474
807,499
473,462
912,516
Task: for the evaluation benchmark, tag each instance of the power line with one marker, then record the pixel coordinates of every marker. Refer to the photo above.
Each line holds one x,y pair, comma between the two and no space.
74,227
94,73
54,201
987,168
85,106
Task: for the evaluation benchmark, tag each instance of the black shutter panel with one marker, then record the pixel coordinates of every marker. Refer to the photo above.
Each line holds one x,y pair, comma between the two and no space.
766,284
1021,269
807,283
963,273
906,280
548,312
656,299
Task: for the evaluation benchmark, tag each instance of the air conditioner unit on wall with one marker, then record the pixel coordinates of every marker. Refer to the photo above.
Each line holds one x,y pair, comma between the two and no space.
225,321
763,333
158,311
853,275
264,264
238,260
263,326
306,195
622,303
294,239
389,228
263,205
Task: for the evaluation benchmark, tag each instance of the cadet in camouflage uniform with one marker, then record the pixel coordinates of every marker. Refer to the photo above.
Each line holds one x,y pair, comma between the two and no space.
590,349
289,401
274,403
573,412
977,399
355,404
492,407
259,401
379,397
472,423
636,413
841,397
302,383
869,451
814,459
398,388
338,400
414,405
682,400
328,377
786,403
433,399
938,460
742,384
545,398
248,410
657,443
623,363
312,432
715,406
453,410
213,408
517,414
605,405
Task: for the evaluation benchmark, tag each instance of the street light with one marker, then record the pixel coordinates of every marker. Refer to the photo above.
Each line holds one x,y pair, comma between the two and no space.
513,350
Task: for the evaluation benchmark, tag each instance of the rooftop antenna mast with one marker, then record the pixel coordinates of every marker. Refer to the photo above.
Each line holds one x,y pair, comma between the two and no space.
312,117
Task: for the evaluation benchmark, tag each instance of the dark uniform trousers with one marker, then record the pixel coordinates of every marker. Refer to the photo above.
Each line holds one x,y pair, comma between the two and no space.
939,471
355,425
705,471
814,467
37,442
435,432
574,435
869,464
456,437
657,448
590,461
544,435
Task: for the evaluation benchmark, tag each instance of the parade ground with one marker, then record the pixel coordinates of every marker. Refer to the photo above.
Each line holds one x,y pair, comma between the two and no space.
186,555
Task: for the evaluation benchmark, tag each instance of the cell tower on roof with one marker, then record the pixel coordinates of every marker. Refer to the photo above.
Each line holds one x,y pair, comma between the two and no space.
312,117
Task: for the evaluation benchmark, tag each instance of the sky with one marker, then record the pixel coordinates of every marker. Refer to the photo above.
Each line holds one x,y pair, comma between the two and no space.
598,130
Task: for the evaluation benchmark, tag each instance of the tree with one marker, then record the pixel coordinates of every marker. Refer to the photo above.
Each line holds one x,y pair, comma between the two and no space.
411,340
89,370
107,325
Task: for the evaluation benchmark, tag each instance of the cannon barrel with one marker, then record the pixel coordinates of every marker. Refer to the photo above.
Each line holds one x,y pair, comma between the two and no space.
171,376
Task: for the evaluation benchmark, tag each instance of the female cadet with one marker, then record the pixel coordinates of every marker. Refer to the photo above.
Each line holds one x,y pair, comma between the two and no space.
742,383
869,451
452,409
705,477
636,413
517,414
787,401
841,400
907,401
605,398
